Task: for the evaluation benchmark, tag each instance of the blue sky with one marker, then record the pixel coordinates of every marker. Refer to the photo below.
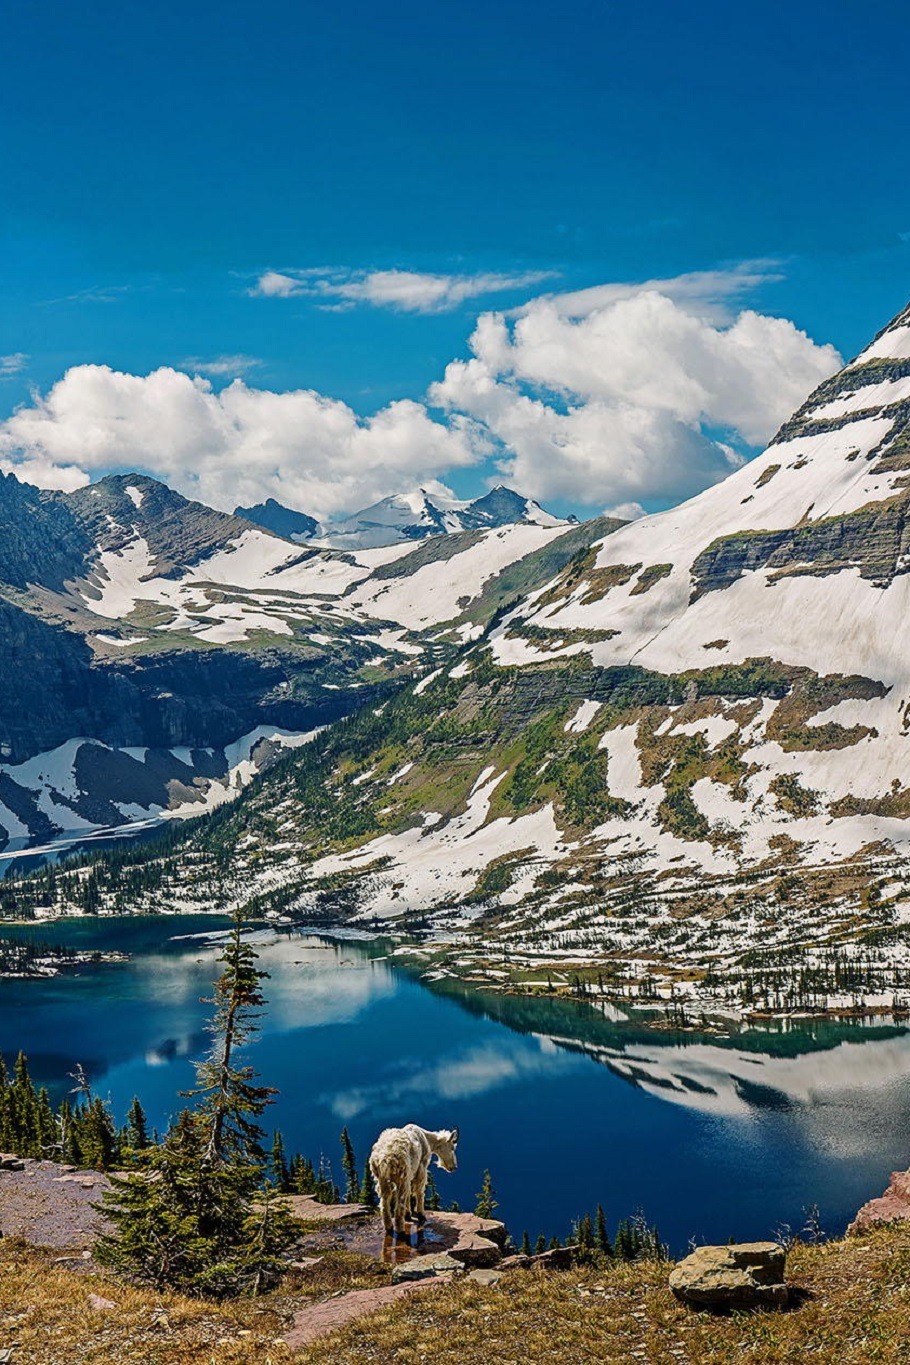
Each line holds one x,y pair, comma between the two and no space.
157,160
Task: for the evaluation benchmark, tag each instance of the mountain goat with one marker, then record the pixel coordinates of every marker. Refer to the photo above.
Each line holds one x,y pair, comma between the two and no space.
399,1163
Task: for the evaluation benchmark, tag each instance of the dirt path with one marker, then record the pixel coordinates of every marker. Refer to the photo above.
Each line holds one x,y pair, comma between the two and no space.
51,1205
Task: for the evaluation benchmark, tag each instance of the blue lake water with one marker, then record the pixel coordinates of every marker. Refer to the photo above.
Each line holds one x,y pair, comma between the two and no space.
712,1139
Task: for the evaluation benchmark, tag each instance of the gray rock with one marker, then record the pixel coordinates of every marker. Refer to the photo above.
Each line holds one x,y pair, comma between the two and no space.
743,1275
488,1277
426,1267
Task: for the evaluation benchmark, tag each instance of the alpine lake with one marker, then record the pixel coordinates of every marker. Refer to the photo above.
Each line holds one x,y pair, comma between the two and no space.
711,1137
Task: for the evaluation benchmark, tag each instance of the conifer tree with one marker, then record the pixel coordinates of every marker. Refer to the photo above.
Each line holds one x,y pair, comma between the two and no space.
279,1172
349,1166
136,1135
194,1215
525,1244
540,1245
367,1192
486,1201
601,1235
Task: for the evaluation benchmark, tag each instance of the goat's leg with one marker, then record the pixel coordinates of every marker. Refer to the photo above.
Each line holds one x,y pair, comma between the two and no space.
418,1197
386,1207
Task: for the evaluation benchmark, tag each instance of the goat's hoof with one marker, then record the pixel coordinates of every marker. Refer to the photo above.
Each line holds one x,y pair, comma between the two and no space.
420,1219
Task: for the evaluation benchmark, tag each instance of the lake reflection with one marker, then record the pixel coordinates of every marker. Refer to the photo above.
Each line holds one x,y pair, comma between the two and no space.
712,1138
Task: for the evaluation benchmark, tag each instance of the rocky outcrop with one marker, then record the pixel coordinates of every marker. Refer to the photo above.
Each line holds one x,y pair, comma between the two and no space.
891,1207
744,1275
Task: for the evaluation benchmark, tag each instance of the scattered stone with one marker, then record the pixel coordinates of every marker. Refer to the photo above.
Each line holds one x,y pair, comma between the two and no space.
305,1262
99,1304
9,1162
318,1319
488,1277
891,1207
744,1275
424,1267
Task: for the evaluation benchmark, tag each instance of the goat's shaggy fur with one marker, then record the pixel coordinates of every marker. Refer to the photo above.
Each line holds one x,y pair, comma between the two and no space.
399,1163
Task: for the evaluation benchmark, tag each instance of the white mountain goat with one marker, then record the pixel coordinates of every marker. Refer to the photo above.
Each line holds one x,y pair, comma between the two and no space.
399,1162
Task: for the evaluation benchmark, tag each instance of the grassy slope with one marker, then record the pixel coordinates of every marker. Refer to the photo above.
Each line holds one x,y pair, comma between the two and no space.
853,1311
853,1301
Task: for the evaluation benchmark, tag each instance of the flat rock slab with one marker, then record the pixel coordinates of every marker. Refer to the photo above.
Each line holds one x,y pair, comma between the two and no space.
49,1205
304,1207
471,1224
318,1319
424,1267
742,1275
891,1207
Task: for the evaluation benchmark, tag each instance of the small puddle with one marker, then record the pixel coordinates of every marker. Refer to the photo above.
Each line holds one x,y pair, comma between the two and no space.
367,1237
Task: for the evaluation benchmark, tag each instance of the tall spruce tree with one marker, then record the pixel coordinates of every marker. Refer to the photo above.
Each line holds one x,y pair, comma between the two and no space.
349,1166
195,1214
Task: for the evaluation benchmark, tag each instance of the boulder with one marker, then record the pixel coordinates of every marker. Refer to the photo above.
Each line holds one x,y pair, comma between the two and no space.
425,1267
556,1258
743,1275
473,1224
472,1240
485,1277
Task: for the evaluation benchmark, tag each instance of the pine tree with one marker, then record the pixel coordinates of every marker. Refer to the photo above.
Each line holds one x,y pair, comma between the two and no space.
540,1245
193,1216
431,1199
525,1244
278,1167
601,1235
349,1166
367,1193
137,1138
486,1201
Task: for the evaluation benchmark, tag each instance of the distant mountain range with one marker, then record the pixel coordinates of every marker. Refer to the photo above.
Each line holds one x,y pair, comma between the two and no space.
157,653
404,517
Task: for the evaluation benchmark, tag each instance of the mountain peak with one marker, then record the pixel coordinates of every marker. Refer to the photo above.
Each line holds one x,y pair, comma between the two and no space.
281,520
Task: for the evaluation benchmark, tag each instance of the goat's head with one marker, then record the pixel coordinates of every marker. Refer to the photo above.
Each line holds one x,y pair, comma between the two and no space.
446,1142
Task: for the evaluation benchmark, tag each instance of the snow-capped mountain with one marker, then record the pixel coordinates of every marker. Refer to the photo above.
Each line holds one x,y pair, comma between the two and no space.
284,521
157,652
685,751
415,516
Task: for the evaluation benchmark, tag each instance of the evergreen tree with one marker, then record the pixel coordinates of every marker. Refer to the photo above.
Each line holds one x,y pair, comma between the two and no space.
431,1198
193,1216
279,1172
601,1236
540,1245
367,1192
349,1166
486,1201
525,1244
137,1138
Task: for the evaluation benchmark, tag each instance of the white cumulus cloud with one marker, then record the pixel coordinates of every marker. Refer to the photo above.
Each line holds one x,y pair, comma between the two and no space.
408,291
630,396
237,446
